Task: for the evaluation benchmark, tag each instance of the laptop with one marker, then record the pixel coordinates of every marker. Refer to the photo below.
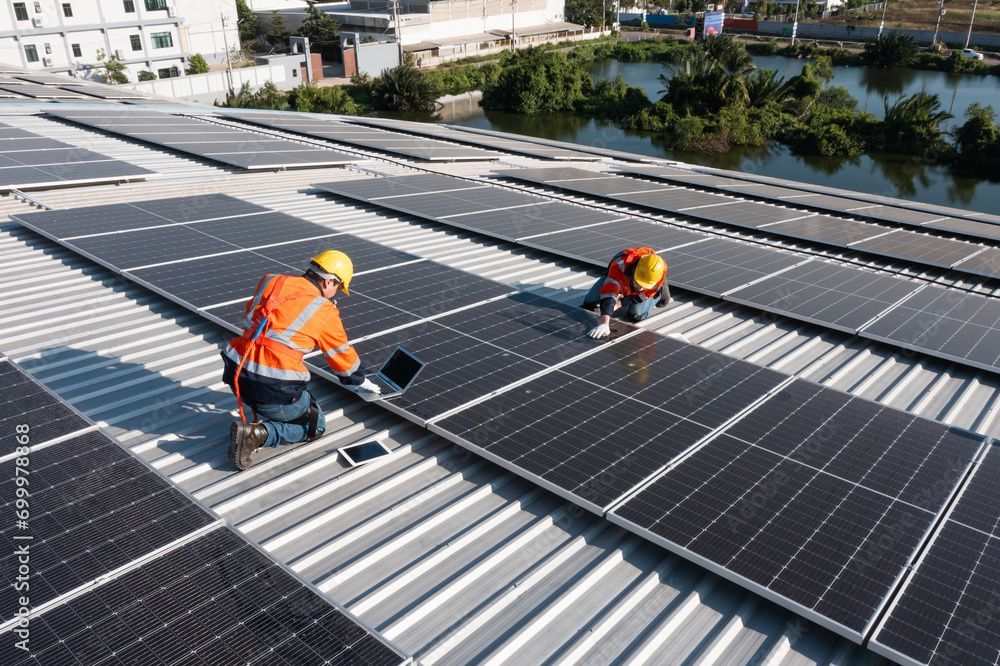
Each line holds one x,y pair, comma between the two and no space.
396,375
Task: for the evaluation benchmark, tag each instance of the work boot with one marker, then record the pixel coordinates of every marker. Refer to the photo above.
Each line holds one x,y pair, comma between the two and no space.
244,440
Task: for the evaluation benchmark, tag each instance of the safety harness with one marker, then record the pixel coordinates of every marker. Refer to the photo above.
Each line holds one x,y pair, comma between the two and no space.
258,336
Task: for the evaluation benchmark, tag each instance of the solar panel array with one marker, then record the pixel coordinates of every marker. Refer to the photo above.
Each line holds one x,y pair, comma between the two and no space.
124,566
513,377
812,188
364,137
28,160
947,610
815,497
509,145
227,145
763,217
946,220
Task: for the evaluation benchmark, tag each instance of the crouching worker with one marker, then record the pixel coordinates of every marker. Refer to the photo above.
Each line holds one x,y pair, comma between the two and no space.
288,317
636,281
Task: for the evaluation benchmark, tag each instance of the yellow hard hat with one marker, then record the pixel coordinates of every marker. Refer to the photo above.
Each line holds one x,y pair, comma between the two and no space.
649,270
334,265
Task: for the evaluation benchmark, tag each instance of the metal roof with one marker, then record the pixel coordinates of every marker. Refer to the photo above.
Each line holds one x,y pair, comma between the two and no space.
452,558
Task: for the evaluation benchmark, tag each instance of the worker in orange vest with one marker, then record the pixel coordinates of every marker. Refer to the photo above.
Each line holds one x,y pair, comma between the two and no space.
635,282
287,318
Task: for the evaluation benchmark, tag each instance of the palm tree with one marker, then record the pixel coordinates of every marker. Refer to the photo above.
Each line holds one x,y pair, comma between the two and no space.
765,87
403,88
913,124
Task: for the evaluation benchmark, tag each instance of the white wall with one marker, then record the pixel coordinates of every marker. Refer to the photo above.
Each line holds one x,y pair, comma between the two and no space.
194,26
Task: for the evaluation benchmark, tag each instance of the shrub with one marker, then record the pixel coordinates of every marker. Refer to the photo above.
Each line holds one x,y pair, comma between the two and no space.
197,64
146,75
268,97
537,80
310,98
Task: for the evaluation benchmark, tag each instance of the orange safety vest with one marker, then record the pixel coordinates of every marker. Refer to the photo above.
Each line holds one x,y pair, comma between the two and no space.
299,319
618,281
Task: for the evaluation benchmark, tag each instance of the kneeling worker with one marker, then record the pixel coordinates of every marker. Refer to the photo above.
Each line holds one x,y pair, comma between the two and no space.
636,281
288,317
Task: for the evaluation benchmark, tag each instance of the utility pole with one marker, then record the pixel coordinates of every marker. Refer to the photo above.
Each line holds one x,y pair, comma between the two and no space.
968,36
397,30
795,21
881,24
229,60
937,26
513,31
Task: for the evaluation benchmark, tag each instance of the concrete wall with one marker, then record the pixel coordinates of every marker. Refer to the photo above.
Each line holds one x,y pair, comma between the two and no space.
375,57
844,33
214,85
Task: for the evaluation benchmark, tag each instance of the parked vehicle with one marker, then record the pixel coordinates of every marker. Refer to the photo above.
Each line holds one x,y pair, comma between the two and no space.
972,53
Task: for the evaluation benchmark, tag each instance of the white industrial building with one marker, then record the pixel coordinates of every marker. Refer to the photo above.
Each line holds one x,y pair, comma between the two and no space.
440,30
154,35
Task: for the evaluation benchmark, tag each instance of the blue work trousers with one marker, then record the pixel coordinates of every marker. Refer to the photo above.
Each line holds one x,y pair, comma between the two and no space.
276,417
633,308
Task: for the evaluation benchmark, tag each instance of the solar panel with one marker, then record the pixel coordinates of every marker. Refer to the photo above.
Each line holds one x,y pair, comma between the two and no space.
601,425
24,402
919,248
469,205
37,91
44,79
28,160
718,266
251,150
149,246
459,136
210,281
839,297
96,510
944,612
969,228
826,229
108,93
957,326
986,263
365,255
816,499
112,511
428,288
463,367
383,141
215,600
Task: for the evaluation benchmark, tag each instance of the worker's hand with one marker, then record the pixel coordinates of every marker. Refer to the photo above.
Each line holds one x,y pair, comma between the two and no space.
600,331
368,386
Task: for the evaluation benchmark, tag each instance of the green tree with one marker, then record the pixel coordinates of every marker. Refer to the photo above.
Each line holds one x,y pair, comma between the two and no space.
892,50
146,75
765,87
268,97
978,138
277,31
248,22
709,78
589,12
912,125
323,32
537,80
403,88
197,65
114,68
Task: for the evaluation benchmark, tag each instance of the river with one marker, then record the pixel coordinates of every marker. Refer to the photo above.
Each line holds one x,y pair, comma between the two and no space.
890,175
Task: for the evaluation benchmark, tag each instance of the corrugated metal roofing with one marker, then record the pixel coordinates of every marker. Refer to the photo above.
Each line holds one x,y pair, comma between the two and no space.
449,556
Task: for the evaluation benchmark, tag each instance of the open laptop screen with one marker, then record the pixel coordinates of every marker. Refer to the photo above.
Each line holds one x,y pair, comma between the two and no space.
400,369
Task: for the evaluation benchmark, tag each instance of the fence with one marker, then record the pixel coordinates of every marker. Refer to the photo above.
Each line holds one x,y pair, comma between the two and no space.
216,84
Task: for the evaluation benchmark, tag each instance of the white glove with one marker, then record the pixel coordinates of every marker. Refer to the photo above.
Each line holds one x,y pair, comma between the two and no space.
368,386
600,331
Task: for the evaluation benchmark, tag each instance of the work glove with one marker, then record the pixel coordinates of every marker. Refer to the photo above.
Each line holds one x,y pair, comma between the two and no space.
600,331
368,386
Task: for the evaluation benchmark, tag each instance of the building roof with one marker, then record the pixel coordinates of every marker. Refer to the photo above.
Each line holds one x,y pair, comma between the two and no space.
452,558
